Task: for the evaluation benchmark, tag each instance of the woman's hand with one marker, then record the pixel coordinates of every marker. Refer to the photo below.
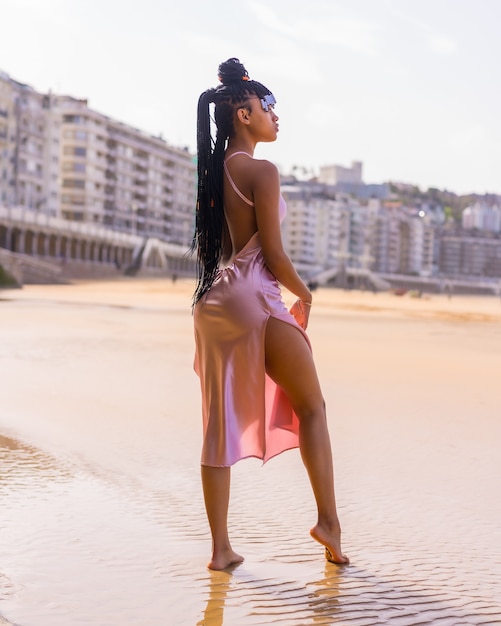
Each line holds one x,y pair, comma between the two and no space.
300,310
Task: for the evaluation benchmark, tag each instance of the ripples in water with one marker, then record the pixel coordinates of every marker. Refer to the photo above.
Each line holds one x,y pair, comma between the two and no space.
84,545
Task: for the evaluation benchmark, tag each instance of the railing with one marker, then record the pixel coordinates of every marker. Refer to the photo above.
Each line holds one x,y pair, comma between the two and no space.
442,282
11,265
27,217
21,265
149,251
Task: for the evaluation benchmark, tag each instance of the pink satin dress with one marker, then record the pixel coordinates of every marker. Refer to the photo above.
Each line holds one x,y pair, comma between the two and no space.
244,413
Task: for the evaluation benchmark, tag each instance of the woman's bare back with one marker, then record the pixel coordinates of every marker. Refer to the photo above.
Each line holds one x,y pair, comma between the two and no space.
240,214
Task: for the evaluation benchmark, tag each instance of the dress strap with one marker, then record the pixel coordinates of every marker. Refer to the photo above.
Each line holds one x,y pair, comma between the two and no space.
239,152
232,182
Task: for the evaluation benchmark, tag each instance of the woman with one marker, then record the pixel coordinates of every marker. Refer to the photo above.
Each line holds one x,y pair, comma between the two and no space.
260,391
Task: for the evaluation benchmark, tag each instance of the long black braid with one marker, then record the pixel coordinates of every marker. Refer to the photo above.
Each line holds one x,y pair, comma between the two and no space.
234,91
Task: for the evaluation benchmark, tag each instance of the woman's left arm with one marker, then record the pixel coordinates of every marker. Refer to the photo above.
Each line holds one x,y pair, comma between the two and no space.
266,198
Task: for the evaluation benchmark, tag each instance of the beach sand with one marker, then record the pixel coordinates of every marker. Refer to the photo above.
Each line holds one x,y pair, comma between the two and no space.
101,511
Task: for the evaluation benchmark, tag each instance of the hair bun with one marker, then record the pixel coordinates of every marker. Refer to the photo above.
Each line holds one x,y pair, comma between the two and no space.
232,71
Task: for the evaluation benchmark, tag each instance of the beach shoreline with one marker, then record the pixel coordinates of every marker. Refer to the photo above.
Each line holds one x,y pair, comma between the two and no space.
153,291
102,510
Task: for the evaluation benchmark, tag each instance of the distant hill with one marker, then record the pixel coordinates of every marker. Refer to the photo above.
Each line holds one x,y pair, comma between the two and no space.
452,203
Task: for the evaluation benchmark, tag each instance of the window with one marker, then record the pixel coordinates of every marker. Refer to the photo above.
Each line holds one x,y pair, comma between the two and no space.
74,119
73,183
75,150
75,134
74,167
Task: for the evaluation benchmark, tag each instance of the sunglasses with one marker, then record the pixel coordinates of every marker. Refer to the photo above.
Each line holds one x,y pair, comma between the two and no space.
268,102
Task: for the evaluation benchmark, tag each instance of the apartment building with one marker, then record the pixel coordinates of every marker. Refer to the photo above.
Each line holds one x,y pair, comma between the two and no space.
469,256
123,178
65,159
29,147
348,180
326,230
401,241
300,228
336,174
7,138
316,230
481,216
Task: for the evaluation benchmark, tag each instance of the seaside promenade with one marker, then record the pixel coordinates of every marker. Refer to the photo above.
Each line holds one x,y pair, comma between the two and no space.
102,518
38,248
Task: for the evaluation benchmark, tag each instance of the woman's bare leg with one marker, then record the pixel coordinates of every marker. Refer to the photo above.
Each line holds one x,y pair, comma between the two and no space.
289,363
216,486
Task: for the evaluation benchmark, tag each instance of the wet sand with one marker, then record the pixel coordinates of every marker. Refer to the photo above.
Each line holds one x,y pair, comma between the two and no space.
101,511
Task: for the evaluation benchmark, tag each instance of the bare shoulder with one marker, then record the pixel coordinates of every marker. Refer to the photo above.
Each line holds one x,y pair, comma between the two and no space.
264,172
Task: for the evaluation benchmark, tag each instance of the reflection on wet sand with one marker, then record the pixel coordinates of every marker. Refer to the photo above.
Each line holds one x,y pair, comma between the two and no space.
343,596
219,587
7,589
24,466
20,466
247,595
4,622
325,597
108,527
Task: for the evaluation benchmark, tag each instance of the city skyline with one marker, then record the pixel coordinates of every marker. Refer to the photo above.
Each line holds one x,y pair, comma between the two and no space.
413,95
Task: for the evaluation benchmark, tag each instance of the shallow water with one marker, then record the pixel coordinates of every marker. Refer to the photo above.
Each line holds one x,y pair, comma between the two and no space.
101,511
81,546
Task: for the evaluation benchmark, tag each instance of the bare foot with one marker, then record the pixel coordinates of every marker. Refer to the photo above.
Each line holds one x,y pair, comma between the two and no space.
331,539
224,559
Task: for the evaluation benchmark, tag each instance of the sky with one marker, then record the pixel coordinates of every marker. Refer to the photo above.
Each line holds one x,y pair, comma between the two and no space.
412,88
